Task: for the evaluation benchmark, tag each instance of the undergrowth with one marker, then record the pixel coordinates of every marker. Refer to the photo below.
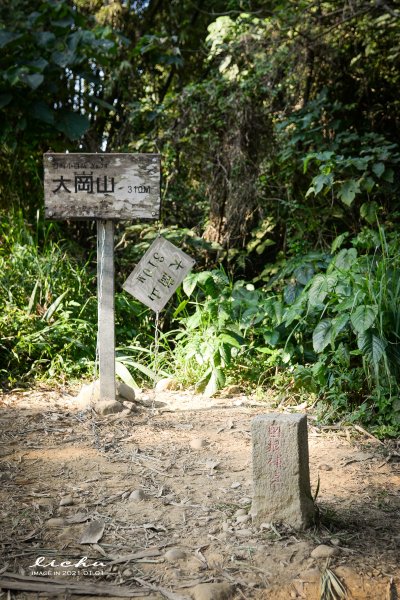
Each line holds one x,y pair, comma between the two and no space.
326,327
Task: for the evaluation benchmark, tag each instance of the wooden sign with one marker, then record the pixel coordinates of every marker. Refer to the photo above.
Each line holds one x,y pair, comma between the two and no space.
158,274
102,186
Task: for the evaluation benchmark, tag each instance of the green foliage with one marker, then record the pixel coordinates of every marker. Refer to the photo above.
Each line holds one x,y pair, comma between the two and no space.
354,306
47,308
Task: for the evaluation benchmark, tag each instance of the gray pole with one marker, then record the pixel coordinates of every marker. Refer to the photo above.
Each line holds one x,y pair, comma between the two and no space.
106,321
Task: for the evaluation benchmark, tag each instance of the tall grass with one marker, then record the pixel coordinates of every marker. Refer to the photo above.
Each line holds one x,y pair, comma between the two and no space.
47,305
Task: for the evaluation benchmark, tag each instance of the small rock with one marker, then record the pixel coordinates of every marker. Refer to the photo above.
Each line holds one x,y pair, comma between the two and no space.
137,495
55,522
235,485
244,532
335,541
108,407
197,443
324,467
213,591
127,572
174,554
226,526
323,551
44,502
167,384
240,511
129,408
243,519
214,529
238,402
126,392
245,500
231,390
66,501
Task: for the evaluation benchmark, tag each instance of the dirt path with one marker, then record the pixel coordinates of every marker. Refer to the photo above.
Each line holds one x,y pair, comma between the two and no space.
167,491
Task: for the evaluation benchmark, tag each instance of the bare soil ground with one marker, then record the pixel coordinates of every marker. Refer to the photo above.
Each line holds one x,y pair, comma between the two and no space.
159,496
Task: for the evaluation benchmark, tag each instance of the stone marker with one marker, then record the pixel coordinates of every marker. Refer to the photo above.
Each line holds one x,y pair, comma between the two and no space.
281,477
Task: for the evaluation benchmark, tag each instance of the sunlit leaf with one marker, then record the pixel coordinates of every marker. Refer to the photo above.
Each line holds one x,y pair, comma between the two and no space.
363,317
322,335
348,190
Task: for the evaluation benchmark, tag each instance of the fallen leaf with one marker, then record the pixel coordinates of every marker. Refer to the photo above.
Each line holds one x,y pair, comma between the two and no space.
93,533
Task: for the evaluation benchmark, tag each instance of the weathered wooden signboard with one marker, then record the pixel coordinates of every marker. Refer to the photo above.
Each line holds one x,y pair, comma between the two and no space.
158,274
102,186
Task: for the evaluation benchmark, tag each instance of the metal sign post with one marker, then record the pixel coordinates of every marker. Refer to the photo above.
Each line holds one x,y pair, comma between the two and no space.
103,187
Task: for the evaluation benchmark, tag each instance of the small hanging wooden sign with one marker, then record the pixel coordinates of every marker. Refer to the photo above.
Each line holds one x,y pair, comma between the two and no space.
158,274
102,186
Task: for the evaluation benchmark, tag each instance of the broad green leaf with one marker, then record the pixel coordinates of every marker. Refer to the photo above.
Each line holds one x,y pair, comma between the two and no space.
321,285
318,290
291,315
338,324
378,168
388,175
320,182
5,99
272,337
63,23
230,340
123,373
193,321
363,317
8,36
348,190
322,335
265,244
345,259
62,59
372,346
189,283
73,125
33,79
215,383
369,211
40,64
338,241
45,38
367,184
41,111
290,293
303,274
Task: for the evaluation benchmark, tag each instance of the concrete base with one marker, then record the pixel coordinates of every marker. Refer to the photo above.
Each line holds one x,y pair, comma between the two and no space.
89,394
